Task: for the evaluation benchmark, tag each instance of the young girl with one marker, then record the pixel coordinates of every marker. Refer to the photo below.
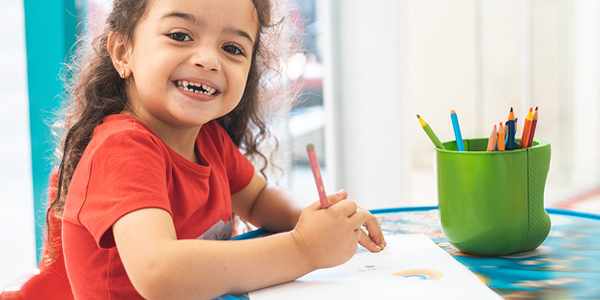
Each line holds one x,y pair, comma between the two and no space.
151,168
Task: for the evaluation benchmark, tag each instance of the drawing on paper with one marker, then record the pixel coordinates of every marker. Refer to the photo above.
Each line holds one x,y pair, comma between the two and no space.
420,274
368,268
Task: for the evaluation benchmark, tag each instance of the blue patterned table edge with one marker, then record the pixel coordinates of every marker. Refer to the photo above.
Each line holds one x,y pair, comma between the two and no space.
566,266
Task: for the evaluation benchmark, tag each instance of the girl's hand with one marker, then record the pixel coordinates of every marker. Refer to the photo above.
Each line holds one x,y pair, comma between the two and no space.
328,237
374,240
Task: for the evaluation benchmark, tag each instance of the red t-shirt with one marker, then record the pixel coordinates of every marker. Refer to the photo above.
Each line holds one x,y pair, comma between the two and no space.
127,167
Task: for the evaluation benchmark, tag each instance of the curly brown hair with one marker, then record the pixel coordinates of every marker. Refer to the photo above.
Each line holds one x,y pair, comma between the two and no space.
95,90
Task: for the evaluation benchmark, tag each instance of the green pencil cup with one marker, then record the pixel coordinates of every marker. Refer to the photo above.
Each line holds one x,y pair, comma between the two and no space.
492,203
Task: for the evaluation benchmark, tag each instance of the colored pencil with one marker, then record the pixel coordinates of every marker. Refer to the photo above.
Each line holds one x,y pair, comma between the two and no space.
430,133
457,134
527,129
534,119
510,133
505,137
492,141
314,165
500,140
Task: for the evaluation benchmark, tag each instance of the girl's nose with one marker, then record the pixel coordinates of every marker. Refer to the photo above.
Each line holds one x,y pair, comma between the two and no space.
207,59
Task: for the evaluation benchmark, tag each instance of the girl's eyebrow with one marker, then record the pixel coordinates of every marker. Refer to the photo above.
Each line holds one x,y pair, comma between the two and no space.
192,19
239,32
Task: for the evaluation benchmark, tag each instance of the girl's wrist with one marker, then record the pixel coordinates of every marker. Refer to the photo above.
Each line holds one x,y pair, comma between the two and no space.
301,252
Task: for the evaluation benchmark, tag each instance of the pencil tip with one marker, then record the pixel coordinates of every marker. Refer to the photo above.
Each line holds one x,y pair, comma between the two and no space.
452,111
511,109
536,108
418,117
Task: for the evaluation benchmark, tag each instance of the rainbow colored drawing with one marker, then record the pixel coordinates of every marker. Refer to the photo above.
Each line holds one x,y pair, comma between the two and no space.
421,274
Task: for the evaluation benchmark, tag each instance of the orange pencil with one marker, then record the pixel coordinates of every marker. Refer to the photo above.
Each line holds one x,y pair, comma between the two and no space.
533,125
501,140
492,141
527,129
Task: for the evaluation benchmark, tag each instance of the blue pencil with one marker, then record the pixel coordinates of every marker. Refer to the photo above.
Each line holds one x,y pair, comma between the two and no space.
457,134
515,134
510,134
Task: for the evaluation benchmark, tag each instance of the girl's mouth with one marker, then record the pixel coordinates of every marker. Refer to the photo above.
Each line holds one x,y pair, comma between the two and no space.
195,87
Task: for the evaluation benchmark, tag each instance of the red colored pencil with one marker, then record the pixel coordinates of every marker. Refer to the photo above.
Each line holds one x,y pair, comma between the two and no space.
527,129
533,124
314,165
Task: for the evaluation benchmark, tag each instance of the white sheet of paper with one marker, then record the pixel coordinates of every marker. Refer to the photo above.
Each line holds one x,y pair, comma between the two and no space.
412,266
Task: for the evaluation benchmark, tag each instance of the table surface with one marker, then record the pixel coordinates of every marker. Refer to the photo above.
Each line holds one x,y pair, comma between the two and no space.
565,266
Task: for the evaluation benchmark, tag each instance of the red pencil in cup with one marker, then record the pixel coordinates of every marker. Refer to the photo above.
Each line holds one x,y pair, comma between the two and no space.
527,129
533,125
314,165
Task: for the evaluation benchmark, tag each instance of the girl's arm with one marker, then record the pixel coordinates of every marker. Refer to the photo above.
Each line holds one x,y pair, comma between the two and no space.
275,209
267,206
162,267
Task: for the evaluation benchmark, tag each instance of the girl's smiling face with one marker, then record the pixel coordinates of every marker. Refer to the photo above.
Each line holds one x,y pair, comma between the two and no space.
189,61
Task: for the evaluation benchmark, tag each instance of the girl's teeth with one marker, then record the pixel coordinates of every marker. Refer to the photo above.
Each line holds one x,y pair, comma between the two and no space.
184,85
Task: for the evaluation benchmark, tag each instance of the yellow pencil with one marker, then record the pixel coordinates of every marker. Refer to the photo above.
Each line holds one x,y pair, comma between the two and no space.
430,133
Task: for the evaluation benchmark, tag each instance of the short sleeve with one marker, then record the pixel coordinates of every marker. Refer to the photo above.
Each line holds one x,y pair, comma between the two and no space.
239,169
127,172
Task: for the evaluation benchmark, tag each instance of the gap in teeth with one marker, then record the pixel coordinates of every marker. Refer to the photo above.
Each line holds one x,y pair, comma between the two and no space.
204,89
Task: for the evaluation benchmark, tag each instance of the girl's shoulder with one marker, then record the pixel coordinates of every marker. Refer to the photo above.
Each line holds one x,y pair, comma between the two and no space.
119,123
215,132
122,131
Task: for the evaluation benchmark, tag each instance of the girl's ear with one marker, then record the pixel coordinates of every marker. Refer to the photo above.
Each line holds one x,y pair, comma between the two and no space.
119,51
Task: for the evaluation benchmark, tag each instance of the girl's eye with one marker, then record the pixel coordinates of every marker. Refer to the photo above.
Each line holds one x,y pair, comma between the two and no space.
233,49
180,36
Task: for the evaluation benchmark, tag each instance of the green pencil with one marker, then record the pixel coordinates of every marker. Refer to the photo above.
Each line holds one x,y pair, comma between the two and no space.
430,133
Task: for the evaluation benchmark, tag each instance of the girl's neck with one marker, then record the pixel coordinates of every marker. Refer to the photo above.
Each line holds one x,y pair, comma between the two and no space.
181,140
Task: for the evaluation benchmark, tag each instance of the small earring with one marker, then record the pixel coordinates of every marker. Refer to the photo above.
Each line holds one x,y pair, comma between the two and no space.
123,74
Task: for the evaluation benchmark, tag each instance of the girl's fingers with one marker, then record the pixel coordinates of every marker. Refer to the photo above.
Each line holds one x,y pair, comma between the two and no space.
315,205
374,229
332,199
358,219
366,241
337,197
346,208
